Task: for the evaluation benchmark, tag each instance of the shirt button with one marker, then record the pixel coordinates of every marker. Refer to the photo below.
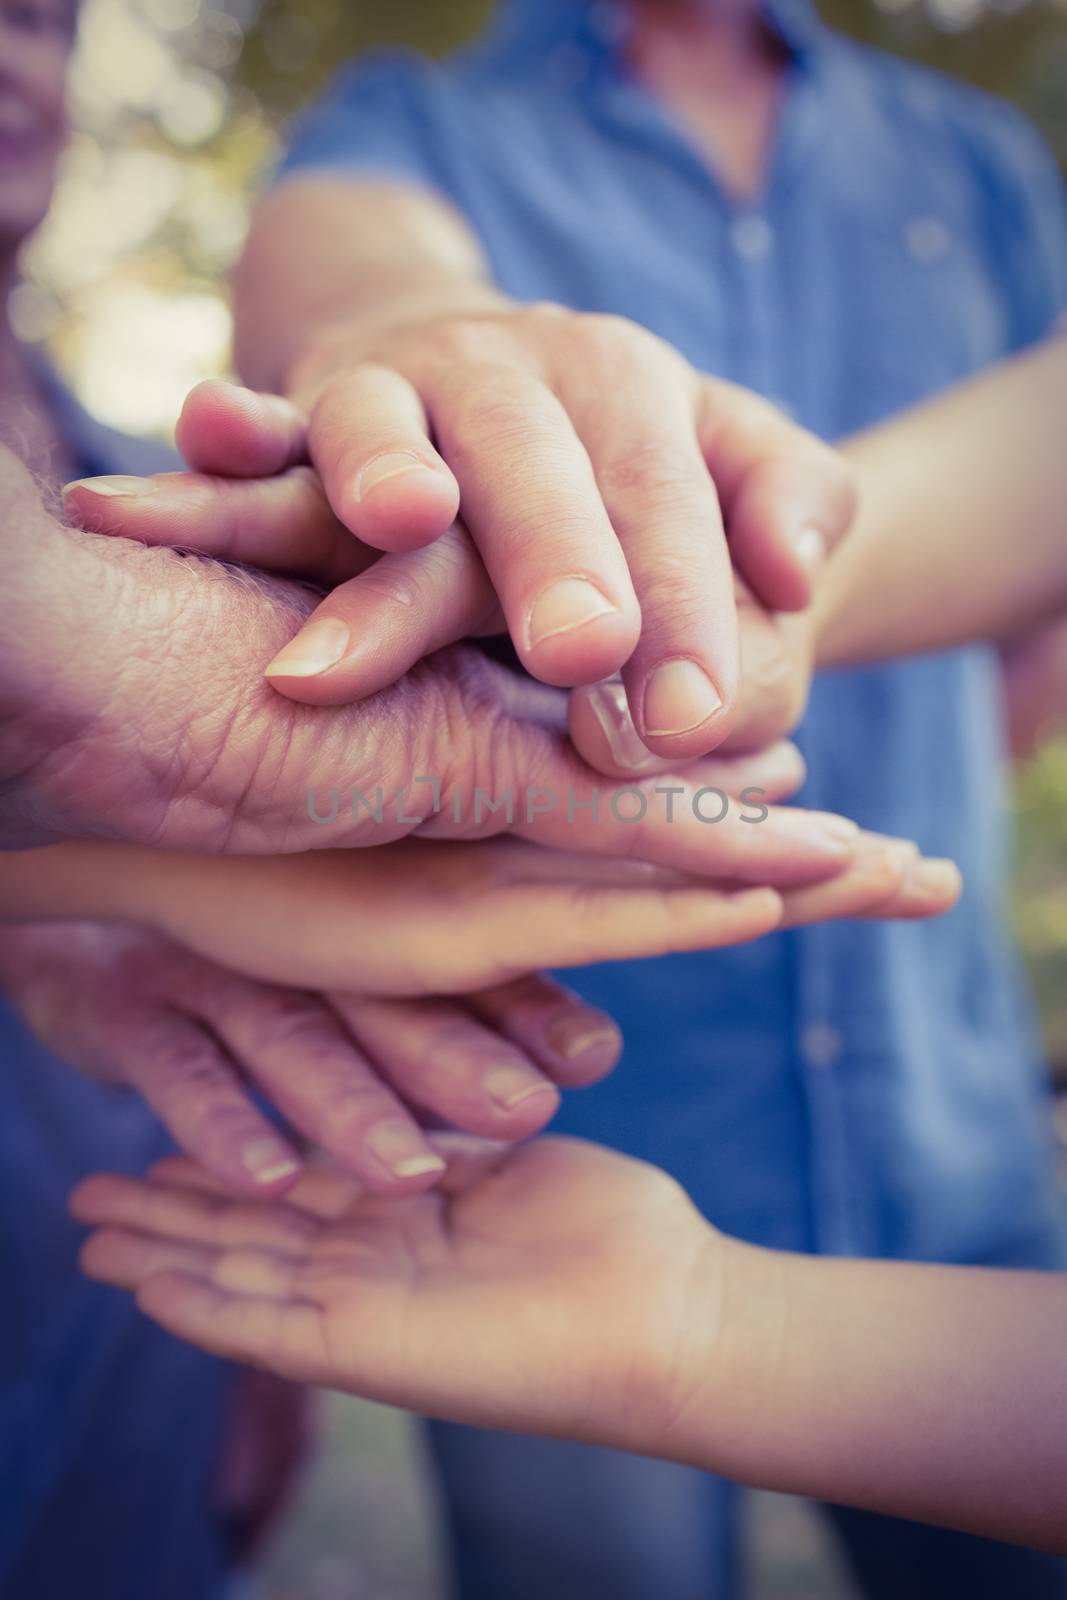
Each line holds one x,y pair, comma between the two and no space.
821,1045
753,237
926,239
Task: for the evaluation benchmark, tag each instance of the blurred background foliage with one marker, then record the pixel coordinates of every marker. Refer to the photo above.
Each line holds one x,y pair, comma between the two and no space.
178,109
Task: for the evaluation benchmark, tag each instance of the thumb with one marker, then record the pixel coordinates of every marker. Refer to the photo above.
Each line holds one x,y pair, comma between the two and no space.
239,433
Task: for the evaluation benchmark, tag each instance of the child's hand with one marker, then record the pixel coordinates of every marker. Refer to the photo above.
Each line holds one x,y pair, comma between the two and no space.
553,1289
420,917
196,1041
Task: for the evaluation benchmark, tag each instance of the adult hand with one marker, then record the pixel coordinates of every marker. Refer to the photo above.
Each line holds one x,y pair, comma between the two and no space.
592,461
558,1288
133,706
199,1042
594,467
249,501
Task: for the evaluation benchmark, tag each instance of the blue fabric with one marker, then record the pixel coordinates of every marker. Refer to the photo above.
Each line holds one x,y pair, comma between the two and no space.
858,1088
109,1428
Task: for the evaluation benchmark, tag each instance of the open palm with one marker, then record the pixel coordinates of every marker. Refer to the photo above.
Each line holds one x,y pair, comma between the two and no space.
530,1280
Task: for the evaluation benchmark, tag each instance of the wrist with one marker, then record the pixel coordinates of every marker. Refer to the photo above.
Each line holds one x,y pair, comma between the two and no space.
723,1372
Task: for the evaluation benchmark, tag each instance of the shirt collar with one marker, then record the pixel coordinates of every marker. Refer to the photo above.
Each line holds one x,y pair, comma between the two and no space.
522,27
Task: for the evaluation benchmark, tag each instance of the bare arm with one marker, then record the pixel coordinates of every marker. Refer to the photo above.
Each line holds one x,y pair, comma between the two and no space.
917,1391
928,1392
962,531
346,259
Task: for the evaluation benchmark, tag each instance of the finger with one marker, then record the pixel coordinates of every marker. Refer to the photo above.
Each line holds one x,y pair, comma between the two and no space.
533,508
240,433
126,1258
181,1172
929,888
295,1048
887,879
574,1043
371,630
369,440
285,1337
282,524
565,926
789,498
682,678
470,1160
442,1058
192,1084
603,733
109,1199
321,1190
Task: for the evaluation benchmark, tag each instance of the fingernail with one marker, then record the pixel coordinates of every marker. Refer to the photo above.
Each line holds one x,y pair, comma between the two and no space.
679,696
115,488
934,877
266,1162
394,464
510,1087
315,649
810,547
573,1036
567,604
401,1148
612,712
841,829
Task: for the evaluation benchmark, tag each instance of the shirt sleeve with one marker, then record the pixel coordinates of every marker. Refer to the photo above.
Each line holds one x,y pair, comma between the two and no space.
373,121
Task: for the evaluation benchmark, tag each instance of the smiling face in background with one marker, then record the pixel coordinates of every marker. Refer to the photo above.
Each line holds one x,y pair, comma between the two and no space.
36,37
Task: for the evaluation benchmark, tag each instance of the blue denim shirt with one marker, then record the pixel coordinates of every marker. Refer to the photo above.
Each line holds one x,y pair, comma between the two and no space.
109,1427
860,1087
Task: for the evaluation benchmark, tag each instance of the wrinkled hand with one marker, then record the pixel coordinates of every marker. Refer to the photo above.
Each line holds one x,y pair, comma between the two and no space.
580,504
133,706
397,608
197,1041
558,1288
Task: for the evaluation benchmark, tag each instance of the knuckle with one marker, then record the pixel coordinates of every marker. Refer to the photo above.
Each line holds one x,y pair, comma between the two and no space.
466,340
288,1018
497,404
609,339
184,1066
661,472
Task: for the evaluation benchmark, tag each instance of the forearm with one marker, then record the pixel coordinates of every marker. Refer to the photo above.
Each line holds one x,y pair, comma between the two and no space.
369,256
962,532
938,1393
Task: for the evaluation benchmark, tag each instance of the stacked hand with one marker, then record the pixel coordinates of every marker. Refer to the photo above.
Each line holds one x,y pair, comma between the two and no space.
253,499
165,731
198,1041
556,1289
